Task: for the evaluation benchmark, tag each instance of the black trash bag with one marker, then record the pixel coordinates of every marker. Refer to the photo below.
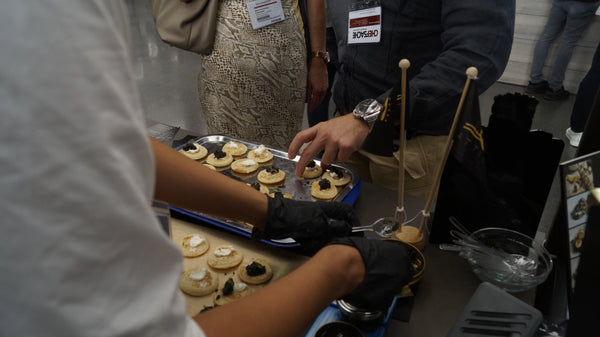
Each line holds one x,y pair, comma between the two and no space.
520,165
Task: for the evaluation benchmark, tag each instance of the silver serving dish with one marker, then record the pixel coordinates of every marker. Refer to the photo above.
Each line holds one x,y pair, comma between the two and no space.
297,188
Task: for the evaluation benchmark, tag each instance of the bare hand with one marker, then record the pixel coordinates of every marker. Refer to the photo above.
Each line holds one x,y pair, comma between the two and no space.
339,137
317,84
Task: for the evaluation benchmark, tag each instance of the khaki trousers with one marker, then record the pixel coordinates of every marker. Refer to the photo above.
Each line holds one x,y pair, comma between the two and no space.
422,157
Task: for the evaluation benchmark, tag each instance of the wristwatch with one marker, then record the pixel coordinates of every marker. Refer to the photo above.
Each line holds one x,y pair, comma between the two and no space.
322,54
368,110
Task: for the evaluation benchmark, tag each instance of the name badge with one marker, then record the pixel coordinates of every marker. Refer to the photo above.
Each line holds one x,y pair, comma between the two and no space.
364,25
265,12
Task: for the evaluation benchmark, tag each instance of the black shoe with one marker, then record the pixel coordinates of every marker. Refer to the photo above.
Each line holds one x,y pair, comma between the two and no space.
537,88
558,95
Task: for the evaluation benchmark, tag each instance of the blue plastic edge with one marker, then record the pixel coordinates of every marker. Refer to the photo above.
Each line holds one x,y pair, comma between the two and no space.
351,197
332,314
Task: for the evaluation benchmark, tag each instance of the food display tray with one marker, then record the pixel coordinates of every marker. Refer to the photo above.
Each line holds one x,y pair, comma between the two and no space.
297,188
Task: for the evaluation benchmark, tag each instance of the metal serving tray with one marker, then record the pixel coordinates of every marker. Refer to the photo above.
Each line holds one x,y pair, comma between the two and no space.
298,188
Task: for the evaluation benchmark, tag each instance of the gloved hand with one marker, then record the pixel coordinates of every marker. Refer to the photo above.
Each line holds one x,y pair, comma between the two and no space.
312,224
388,270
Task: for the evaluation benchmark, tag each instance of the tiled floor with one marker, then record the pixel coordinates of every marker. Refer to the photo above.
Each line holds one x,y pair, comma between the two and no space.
167,82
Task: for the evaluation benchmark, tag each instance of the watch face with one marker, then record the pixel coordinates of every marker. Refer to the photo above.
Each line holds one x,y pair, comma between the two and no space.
372,117
368,109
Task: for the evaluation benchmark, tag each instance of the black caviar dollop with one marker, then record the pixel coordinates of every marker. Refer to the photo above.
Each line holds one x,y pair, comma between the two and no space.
220,154
337,171
324,184
255,185
228,287
311,164
255,269
189,147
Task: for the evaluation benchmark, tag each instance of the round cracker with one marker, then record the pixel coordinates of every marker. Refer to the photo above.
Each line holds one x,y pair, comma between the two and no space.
197,153
261,154
259,187
225,257
192,282
210,167
237,293
235,148
326,193
311,172
244,166
219,162
194,245
285,195
338,176
256,279
268,178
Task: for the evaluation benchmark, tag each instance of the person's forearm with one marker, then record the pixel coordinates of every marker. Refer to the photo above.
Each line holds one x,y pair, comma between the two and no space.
316,24
316,84
188,184
288,306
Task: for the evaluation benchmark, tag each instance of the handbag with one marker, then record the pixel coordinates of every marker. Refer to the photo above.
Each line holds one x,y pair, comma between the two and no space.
187,25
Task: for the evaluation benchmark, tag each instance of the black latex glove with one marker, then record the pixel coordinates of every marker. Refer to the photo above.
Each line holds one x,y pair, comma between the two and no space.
388,270
312,224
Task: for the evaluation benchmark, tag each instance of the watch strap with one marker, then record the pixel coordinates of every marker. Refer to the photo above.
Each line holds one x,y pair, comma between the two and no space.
320,54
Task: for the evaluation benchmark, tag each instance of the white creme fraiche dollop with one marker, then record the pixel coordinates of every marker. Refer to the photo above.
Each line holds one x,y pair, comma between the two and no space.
224,251
248,162
198,275
241,286
260,150
232,145
196,241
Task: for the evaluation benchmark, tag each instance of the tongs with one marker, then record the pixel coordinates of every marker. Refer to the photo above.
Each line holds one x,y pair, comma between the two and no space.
463,240
482,254
382,227
460,236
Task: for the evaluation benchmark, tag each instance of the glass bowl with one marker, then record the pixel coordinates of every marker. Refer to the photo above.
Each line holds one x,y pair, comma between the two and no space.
508,259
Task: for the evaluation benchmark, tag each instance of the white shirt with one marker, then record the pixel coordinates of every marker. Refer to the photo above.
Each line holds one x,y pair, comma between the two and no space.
81,252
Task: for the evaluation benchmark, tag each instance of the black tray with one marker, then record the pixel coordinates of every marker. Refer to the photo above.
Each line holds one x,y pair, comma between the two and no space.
298,188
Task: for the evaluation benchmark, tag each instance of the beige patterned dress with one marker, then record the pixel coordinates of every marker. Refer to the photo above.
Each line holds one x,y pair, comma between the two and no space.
252,87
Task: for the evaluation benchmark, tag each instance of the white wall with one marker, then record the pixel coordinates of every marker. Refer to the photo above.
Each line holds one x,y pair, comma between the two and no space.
530,19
